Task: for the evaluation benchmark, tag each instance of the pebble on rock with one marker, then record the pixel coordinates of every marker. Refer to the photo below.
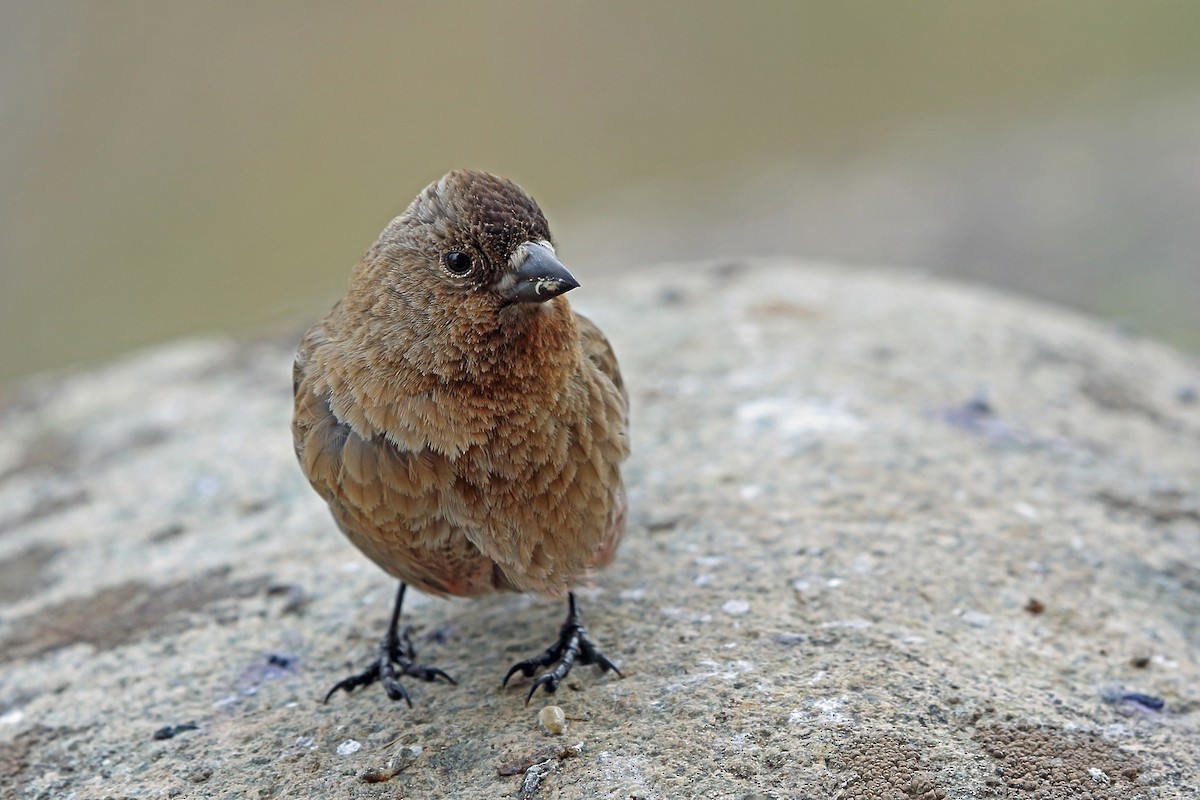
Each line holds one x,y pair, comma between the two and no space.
736,607
349,747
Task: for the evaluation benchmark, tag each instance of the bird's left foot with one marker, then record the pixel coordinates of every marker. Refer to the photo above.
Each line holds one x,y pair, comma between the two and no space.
574,646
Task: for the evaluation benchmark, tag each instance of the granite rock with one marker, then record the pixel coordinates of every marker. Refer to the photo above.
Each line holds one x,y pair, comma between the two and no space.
891,537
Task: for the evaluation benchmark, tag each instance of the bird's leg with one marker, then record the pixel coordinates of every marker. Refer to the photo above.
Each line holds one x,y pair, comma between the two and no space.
573,646
396,656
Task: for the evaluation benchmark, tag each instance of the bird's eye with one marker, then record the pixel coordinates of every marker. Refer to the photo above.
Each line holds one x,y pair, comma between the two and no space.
458,263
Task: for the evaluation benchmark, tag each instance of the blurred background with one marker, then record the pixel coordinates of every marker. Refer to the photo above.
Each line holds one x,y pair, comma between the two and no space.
177,167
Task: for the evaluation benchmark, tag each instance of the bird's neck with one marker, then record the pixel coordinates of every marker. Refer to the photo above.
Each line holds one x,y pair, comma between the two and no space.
473,346
520,342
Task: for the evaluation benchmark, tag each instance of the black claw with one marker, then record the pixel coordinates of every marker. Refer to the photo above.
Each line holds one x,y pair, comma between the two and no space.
593,656
573,646
548,681
515,668
396,691
530,665
396,654
428,674
354,681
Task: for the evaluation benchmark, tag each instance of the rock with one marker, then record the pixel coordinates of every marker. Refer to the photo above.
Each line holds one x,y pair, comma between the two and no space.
846,487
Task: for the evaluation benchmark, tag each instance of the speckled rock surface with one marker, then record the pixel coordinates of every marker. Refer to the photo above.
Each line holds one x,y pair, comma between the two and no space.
891,538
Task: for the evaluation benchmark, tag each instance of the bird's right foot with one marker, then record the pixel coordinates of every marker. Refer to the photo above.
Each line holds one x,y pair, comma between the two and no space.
573,646
396,659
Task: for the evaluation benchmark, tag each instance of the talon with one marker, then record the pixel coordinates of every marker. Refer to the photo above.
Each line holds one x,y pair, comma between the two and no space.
548,681
348,684
428,674
527,667
396,691
513,670
601,661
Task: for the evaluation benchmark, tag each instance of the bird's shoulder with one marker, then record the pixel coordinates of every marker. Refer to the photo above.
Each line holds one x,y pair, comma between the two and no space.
349,457
597,349
314,338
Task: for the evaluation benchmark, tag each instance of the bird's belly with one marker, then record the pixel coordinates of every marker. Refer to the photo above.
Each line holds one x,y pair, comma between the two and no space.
541,543
436,558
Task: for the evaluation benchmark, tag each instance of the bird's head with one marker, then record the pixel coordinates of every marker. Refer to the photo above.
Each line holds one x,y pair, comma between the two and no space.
471,234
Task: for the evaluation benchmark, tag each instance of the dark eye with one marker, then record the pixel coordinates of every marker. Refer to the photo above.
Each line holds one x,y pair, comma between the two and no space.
458,263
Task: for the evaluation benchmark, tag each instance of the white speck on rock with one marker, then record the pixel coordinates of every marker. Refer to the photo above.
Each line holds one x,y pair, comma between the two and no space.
826,710
783,417
12,717
1099,776
623,770
976,619
533,777
1025,510
736,607
632,594
750,491
853,624
207,485
349,747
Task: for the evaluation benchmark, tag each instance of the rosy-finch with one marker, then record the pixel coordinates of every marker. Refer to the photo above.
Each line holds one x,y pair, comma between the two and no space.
464,425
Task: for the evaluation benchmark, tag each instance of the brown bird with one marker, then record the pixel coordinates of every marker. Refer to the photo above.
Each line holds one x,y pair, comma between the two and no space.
464,425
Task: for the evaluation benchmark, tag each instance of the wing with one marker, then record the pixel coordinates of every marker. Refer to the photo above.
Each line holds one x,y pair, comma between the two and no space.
395,505
614,447
317,436
597,349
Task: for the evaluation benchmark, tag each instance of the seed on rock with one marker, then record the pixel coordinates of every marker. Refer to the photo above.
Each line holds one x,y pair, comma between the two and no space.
552,720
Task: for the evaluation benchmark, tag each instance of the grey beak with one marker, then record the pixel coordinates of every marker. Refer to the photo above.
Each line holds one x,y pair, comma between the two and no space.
538,277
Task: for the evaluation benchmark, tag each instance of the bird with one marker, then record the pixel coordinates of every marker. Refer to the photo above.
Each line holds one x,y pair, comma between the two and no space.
464,425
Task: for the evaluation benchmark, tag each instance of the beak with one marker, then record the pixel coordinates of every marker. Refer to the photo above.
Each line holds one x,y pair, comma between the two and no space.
536,276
